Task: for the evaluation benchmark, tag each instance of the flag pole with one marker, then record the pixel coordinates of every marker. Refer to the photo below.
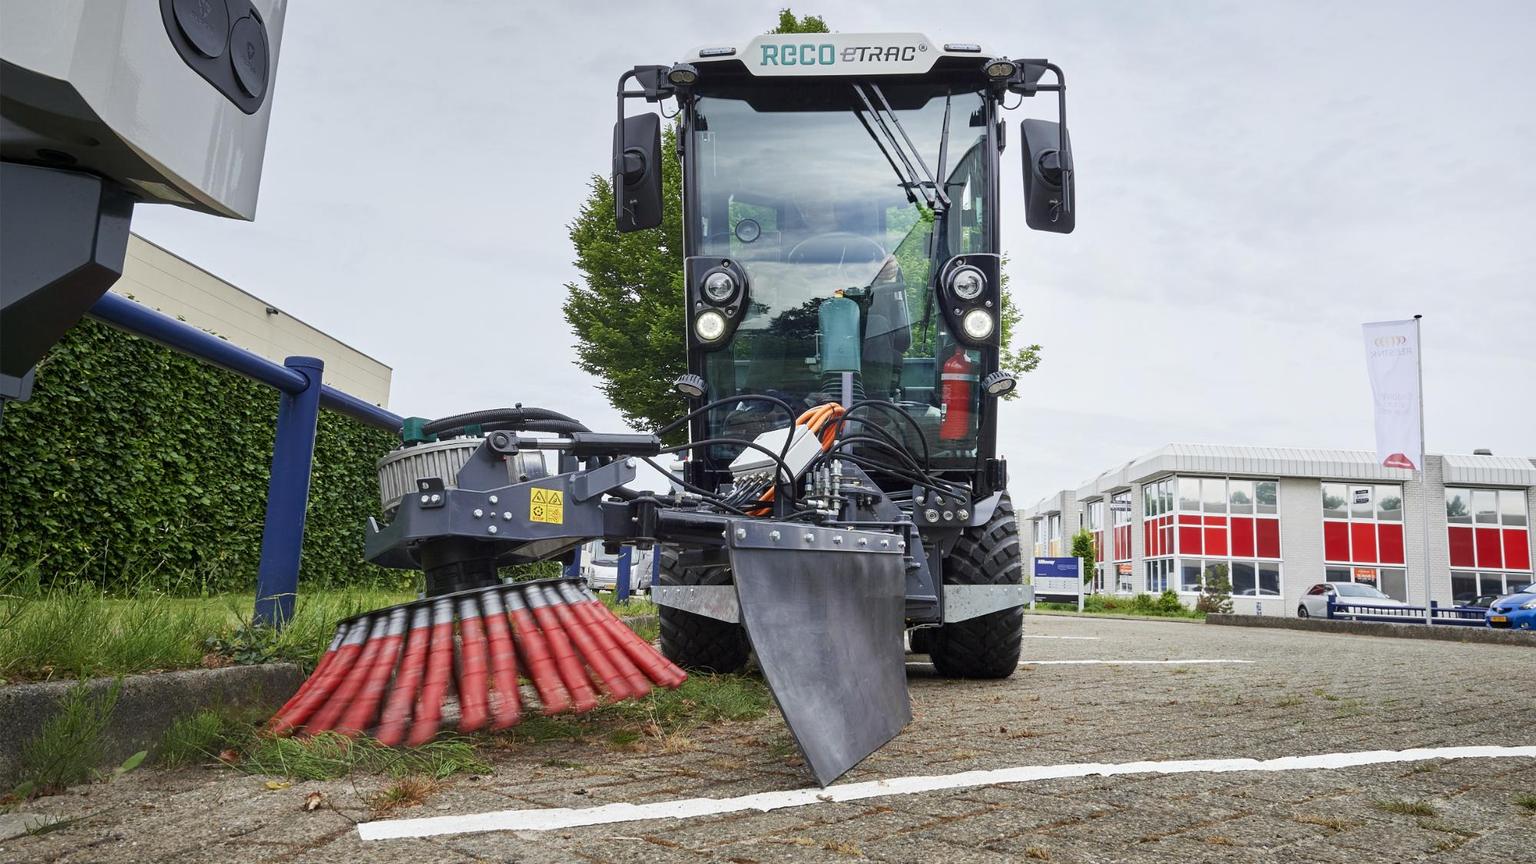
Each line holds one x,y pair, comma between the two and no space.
1418,356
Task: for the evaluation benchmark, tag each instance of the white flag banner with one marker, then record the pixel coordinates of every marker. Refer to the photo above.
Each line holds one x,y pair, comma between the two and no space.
1392,358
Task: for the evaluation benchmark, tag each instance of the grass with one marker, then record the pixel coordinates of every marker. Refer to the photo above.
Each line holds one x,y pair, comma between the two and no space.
402,793
68,749
1526,800
328,756
77,630
1165,605
1405,807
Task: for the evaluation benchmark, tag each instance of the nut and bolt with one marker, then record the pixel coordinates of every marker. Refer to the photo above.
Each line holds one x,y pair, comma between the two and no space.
479,512
425,499
493,499
491,528
774,536
741,533
507,515
809,537
949,515
931,515
437,499
837,540
964,514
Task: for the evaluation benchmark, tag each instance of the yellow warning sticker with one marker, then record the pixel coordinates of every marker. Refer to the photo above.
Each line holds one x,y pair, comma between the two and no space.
546,505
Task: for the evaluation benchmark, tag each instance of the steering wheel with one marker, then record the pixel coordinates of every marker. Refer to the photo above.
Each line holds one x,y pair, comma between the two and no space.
837,247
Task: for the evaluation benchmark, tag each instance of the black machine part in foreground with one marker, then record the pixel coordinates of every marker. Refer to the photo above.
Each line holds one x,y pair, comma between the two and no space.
824,602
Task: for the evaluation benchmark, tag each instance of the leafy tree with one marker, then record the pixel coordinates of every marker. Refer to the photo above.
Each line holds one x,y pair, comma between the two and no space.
627,311
788,23
1083,547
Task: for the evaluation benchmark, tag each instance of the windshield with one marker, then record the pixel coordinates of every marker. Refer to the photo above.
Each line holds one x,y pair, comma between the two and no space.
1347,589
809,195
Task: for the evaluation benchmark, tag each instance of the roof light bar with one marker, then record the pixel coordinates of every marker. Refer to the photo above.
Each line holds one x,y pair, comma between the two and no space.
717,52
962,47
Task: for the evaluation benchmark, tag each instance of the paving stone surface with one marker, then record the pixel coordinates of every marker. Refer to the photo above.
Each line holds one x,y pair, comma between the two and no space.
1304,693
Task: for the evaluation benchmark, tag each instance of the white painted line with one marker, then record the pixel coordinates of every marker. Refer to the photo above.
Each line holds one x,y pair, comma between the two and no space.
552,818
1126,662
1037,636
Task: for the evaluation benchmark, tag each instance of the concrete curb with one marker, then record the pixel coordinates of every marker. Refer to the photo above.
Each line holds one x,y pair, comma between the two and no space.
146,707
1442,633
1111,616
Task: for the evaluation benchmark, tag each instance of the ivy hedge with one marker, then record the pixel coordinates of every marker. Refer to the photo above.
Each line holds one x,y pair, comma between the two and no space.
134,466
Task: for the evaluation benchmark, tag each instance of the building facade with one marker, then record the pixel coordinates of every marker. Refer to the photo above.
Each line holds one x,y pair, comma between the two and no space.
1281,520
166,282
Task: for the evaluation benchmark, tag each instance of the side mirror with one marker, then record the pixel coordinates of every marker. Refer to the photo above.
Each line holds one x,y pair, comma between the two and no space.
637,172
1048,201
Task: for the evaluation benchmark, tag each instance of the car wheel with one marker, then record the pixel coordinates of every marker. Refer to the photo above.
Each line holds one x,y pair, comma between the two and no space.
1301,612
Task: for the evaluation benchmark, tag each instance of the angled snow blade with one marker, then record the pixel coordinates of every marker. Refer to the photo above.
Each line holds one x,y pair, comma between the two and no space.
824,612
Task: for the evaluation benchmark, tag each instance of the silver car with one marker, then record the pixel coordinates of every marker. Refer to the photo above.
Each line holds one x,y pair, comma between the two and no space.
1314,603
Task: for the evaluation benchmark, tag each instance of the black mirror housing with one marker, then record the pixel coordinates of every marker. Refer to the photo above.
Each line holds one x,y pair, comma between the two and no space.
637,172
1048,200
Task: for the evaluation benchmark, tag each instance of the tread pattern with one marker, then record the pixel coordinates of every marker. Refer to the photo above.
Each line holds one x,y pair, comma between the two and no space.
694,641
989,646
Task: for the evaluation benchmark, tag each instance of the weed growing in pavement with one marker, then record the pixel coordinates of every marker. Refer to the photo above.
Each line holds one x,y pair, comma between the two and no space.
1333,822
1526,800
665,716
1289,701
206,735
402,793
1429,824
68,749
1037,853
1404,807
328,755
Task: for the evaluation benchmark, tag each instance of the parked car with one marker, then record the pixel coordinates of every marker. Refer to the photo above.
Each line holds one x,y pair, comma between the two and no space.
1314,603
601,570
1516,611
1481,601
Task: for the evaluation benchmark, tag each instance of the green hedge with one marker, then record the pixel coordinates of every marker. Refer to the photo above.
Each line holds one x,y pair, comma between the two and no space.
134,466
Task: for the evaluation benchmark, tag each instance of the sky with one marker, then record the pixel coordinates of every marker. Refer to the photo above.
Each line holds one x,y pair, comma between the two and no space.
1254,182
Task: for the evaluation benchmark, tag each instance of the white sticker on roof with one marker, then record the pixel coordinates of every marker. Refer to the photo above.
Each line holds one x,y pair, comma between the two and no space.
840,54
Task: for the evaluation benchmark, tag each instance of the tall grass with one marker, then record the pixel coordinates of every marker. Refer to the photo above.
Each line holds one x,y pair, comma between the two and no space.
75,629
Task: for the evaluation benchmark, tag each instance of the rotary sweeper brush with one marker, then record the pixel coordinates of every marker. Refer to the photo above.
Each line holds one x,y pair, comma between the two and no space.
842,486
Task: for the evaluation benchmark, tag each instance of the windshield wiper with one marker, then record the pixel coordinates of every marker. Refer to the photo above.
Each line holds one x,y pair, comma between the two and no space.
910,177
905,183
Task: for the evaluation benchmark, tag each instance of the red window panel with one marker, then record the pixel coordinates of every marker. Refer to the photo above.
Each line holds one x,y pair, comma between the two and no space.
1389,539
1488,554
1098,546
1123,543
1335,541
1362,541
1189,541
1216,520
1268,531
1186,519
1216,541
1242,537
1147,543
1462,548
1517,549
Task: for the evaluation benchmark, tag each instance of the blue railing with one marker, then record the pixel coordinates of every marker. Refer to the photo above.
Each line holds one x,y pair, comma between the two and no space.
302,394
1465,616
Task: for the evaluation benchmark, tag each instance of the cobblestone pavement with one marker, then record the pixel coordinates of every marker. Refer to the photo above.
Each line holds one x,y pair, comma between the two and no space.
1306,693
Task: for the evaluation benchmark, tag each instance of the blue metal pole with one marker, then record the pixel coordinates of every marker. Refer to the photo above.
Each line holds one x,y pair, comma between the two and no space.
655,567
282,537
621,582
573,569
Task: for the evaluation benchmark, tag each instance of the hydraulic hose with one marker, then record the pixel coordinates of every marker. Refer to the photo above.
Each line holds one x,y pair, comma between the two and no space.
515,418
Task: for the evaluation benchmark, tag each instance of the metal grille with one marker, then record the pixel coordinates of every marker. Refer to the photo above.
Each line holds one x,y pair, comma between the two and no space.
399,471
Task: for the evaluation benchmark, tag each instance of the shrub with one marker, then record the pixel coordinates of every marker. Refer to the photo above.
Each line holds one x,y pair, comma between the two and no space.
1217,594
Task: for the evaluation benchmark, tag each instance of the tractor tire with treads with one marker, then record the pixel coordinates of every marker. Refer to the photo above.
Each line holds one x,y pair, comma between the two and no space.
985,647
694,641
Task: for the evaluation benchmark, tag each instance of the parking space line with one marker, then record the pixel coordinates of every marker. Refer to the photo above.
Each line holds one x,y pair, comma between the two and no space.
1040,636
1128,662
547,819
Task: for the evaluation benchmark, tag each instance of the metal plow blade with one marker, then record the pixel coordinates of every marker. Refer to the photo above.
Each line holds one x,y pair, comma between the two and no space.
824,613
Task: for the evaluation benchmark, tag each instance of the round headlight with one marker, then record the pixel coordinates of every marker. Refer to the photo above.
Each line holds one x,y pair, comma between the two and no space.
709,327
967,283
719,286
978,324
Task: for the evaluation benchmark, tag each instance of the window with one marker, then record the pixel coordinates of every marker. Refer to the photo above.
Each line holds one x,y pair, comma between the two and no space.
1157,524
1240,496
1095,515
1213,493
1189,494
1267,494
1158,574
1363,524
1336,574
1248,578
1120,505
1488,529
1189,576
1394,583
1228,518
1245,582
1467,586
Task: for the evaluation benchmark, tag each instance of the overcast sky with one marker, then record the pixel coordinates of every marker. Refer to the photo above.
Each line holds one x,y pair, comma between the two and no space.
1254,182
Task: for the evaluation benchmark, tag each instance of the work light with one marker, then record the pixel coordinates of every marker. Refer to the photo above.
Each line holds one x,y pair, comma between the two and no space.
967,283
682,75
998,383
710,326
977,324
1000,69
719,286
690,385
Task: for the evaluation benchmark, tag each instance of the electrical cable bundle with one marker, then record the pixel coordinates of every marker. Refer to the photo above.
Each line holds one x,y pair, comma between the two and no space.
391,670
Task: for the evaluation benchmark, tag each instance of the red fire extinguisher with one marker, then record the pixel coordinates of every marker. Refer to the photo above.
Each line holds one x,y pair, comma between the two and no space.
957,383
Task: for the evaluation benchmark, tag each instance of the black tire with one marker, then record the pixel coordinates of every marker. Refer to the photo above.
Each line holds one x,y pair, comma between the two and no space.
1301,611
694,641
985,647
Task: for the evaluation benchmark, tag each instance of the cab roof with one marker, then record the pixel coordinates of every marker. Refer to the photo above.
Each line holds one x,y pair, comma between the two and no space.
837,54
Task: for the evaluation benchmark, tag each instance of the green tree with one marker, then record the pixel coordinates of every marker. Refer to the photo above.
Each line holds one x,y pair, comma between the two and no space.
627,311
788,23
1216,596
1083,548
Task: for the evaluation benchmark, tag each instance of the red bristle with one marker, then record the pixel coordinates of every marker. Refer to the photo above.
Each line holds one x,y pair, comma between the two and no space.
318,694
587,648
347,688
506,704
434,688
364,709
474,679
583,698
325,660
657,667
535,654
413,666
637,684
